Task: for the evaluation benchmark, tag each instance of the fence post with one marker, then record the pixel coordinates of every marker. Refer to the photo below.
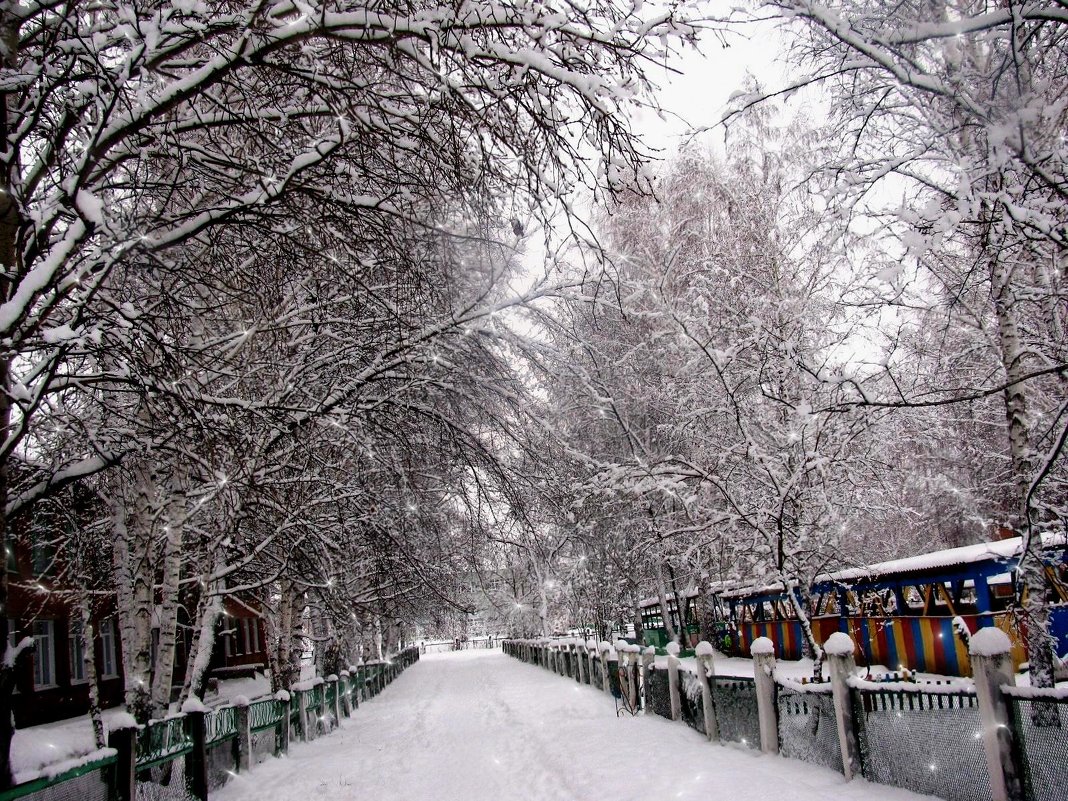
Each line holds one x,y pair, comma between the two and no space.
124,741
839,650
284,734
591,654
673,680
630,664
763,651
582,657
648,659
346,682
333,679
244,734
606,682
196,761
302,707
706,669
990,650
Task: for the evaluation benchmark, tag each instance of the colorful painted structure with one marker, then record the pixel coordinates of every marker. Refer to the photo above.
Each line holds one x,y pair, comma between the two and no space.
902,613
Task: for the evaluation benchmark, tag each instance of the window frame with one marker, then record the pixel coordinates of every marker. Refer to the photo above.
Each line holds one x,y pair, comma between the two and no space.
40,680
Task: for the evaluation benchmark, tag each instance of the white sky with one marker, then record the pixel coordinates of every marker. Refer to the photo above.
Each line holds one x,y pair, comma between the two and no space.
699,94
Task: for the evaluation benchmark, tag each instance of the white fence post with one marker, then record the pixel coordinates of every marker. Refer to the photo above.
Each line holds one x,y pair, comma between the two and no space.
763,651
673,680
839,649
991,657
648,658
706,669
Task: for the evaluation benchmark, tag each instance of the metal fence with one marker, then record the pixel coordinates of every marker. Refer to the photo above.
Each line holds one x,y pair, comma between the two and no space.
807,729
89,782
691,701
736,710
926,741
1041,725
167,761
658,693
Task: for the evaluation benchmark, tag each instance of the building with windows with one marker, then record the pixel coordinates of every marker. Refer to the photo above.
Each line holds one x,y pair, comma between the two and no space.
46,597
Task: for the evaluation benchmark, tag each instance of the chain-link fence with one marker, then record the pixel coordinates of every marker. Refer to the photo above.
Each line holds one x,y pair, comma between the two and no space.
658,692
1041,724
928,742
691,701
163,781
89,782
736,710
807,728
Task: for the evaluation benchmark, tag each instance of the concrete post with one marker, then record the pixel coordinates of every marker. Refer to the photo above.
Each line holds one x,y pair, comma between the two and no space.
124,741
706,669
763,651
337,685
648,659
345,688
244,735
839,649
606,683
302,705
196,761
990,650
282,742
673,686
630,660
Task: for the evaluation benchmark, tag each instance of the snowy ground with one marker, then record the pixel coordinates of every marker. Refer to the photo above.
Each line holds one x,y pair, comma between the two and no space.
474,725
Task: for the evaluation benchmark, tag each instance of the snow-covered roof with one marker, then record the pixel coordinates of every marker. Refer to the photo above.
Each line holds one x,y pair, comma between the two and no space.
1000,551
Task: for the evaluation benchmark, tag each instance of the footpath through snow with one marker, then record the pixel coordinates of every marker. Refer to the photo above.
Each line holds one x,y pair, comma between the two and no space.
477,725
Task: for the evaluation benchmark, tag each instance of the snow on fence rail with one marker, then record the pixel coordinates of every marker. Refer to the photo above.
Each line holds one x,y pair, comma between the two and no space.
965,740
185,756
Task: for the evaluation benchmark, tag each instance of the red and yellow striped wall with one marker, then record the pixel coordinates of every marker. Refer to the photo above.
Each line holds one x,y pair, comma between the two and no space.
924,644
786,634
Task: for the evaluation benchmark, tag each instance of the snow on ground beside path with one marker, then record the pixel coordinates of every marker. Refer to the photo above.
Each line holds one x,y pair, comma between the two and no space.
481,726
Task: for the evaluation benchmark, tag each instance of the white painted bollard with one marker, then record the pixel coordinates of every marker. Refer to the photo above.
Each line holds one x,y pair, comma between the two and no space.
648,659
673,680
991,656
763,651
706,670
839,649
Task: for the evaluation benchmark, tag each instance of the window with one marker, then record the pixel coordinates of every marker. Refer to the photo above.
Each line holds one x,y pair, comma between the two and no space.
251,644
42,554
44,657
109,668
77,653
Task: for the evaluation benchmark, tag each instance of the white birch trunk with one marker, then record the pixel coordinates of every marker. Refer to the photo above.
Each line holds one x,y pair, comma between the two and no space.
134,577
163,674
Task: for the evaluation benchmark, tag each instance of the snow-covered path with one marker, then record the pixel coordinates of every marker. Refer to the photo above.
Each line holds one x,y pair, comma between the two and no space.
479,725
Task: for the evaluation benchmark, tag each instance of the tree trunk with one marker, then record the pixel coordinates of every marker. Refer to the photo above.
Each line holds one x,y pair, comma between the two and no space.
661,591
89,658
134,580
1035,608
163,674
